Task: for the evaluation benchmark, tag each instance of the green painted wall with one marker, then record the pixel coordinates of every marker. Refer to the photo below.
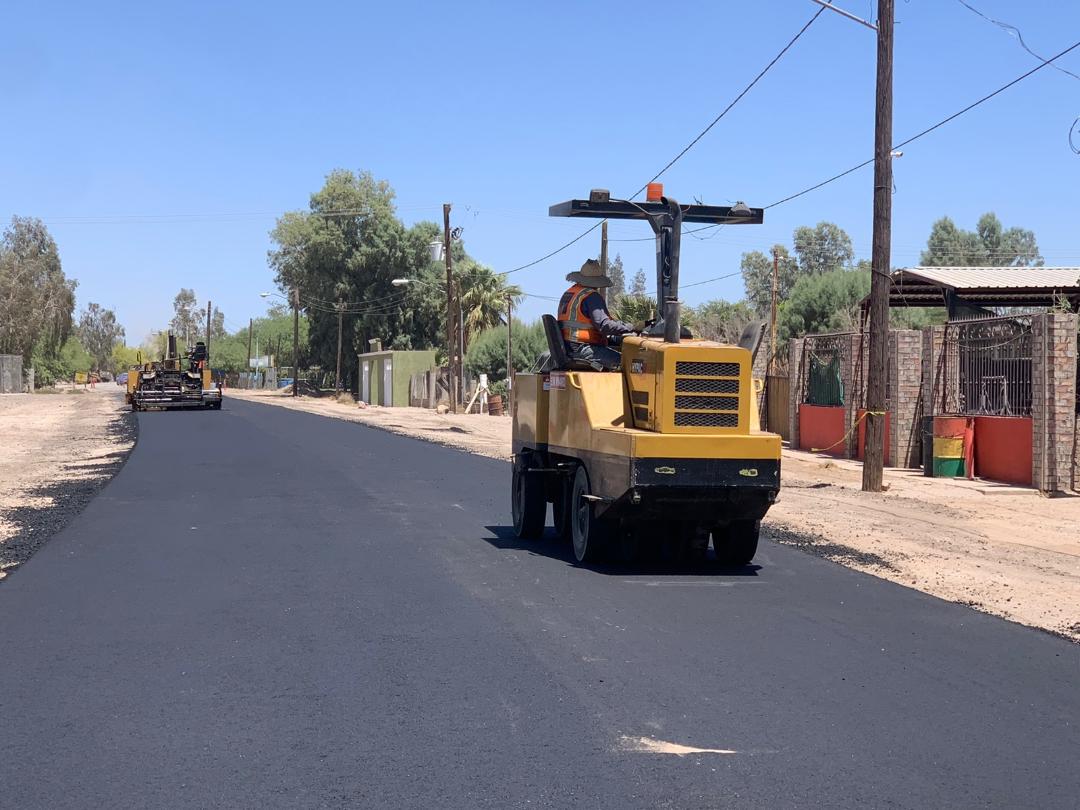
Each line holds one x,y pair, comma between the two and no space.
403,365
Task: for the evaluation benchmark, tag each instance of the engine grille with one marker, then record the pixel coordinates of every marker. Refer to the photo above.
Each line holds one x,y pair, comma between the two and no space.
691,385
706,369
707,403
705,419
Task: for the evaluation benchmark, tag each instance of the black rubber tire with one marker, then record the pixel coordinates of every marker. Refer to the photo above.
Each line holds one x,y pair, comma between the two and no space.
589,535
527,502
736,543
560,508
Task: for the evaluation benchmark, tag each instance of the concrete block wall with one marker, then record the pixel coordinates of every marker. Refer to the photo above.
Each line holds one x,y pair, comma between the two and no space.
933,339
796,387
1053,401
905,396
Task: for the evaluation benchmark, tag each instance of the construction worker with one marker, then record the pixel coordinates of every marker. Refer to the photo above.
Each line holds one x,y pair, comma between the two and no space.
587,326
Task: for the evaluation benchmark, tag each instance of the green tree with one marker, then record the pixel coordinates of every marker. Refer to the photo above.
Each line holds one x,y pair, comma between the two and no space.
822,248
719,320
618,281
757,272
824,303
100,332
124,357
483,297
487,353
36,299
185,320
60,365
349,246
988,245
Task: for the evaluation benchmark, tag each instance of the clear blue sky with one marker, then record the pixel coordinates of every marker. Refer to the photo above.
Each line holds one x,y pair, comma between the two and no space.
158,141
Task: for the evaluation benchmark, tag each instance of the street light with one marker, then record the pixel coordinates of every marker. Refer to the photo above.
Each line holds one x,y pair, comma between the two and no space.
295,295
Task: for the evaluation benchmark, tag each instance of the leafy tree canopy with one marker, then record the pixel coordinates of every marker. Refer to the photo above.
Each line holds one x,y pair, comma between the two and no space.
487,353
988,245
100,333
36,299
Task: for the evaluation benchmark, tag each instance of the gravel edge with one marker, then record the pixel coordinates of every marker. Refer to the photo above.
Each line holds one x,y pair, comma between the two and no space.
68,499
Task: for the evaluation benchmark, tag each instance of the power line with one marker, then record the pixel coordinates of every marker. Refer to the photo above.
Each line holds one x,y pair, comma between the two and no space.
736,100
687,148
1013,31
930,129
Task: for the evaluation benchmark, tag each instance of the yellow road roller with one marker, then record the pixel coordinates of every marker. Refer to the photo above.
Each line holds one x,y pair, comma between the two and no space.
661,455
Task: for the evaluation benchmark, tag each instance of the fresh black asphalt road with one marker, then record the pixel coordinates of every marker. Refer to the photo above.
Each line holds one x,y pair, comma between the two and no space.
271,609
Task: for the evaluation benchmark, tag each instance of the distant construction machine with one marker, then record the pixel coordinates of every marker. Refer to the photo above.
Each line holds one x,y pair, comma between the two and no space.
665,453
168,384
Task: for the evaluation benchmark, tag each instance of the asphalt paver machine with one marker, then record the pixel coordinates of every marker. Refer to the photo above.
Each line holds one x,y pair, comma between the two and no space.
662,455
173,382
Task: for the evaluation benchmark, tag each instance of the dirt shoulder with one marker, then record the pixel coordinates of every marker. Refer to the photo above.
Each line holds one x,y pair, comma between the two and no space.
1003,550
56,451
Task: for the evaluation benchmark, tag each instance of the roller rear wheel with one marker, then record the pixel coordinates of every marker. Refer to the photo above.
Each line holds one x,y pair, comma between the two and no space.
736,543
588,533
528,504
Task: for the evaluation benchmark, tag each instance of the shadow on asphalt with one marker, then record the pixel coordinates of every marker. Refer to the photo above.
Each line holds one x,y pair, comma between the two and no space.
555,548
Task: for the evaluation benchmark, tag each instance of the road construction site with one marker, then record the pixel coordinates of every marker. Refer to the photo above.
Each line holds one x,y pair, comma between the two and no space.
955,539
308,612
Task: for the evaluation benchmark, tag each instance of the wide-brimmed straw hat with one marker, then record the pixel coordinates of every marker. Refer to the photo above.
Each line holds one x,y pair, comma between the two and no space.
590,275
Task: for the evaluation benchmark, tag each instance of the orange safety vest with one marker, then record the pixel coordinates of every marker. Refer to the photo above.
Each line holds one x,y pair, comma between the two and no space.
575,326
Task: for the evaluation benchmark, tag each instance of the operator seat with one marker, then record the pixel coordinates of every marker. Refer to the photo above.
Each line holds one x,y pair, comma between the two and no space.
559,359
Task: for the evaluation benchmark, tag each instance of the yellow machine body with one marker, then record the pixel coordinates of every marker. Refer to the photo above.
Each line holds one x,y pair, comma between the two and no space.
678,417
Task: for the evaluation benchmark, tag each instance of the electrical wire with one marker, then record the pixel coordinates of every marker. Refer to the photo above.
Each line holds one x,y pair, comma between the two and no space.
736,100
686,149
1013,31
929,129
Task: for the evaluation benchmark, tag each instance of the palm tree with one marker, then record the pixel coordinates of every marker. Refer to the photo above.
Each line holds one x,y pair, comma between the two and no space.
483,297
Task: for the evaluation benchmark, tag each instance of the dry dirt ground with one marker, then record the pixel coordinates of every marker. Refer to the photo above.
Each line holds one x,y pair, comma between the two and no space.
1003,550
57,450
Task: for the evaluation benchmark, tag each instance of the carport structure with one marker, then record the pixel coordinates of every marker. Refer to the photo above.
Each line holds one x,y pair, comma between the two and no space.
993,392
971,291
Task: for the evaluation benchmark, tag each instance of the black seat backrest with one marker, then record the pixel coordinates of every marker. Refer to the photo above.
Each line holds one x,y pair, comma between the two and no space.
752,336
556,347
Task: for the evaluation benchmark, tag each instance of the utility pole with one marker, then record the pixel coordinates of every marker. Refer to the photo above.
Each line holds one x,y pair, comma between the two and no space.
251,321
296,341
449,306
509,343
772,310
874,458
340,314
209,309
603,254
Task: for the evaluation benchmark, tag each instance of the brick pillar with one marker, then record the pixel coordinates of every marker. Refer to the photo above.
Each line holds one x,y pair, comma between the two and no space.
1053,400
905,388
796,387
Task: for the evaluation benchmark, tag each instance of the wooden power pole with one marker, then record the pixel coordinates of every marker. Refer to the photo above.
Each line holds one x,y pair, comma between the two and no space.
603,254
772,309
340,315
451,355
874,459
296,341
509,343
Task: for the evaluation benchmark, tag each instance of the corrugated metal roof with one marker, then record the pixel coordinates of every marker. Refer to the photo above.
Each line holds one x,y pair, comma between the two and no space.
961,278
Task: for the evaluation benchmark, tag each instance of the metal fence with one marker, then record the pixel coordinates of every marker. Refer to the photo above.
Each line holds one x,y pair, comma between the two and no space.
989,361
822,364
